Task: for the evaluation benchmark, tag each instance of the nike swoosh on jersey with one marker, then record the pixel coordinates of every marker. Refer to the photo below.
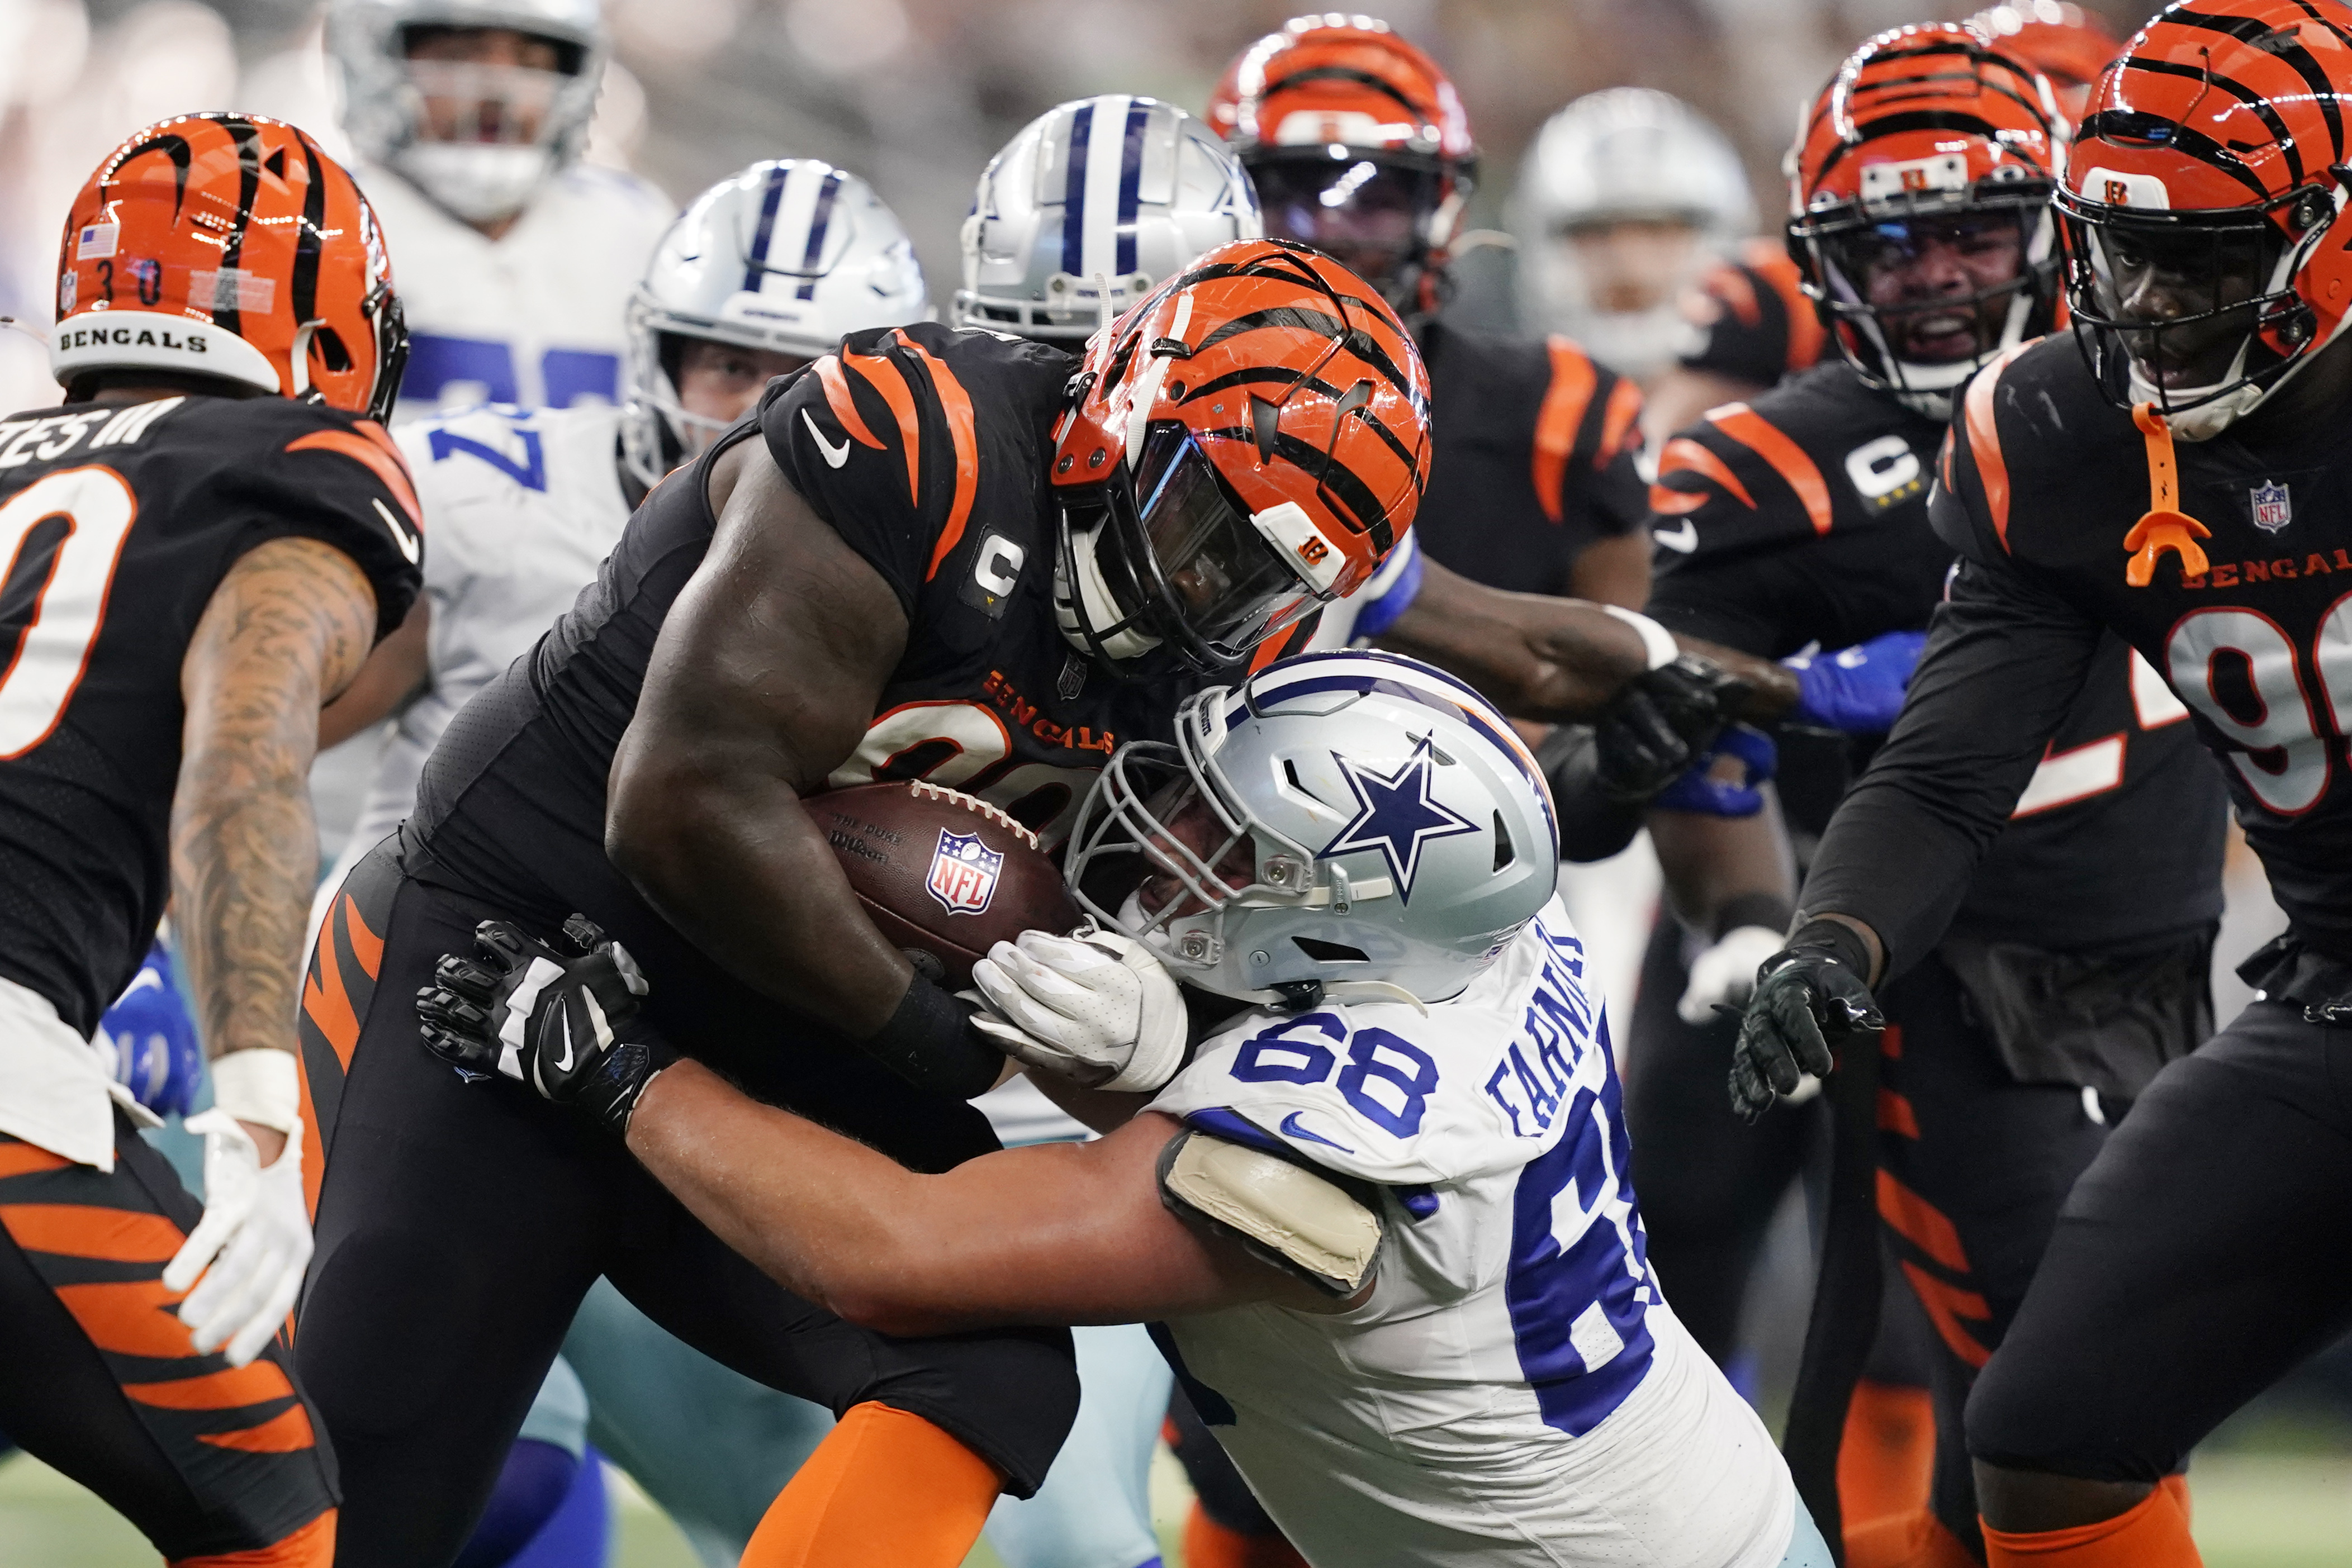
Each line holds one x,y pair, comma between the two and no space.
834,456
400,535
1291,1128
1681,540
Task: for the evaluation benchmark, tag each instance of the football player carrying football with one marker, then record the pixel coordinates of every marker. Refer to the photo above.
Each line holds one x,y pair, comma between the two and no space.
205,541
1383,1207
2075,963
523,505
2172,478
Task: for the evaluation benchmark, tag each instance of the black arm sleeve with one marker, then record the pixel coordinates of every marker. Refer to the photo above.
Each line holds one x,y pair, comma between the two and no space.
2005,659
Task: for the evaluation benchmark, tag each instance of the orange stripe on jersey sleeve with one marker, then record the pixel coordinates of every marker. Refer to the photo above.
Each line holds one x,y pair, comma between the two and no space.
329,1006
287,1432
1770,442
1807,336
1684,456
1617,417
256,1383
1921,1223
958,404
366,946
85,1230
382,461
1730,285
1565,399
23,1159
1984,443
891,382
843,406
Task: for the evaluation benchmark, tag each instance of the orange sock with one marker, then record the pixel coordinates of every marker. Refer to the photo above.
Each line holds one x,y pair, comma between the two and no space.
312,1546
2152,1534
1208,1544
1914,1539
1887,1456
885,1487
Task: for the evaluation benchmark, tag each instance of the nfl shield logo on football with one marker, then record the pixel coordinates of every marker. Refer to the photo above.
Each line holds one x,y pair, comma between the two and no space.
963,872
2271,510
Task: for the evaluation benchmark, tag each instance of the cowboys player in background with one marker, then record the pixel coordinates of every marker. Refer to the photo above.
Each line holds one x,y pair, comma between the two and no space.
469,118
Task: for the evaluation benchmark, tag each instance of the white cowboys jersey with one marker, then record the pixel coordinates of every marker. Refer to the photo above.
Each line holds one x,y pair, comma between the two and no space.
533,318
521,506
1515,1391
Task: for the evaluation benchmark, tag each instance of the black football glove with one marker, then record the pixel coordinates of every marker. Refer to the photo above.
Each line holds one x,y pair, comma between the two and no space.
1808,995
561,1019
1661,722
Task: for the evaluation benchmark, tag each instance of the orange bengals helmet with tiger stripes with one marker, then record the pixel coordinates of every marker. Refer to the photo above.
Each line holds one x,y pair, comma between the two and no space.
2204,202
229,245
2066,43
1246,445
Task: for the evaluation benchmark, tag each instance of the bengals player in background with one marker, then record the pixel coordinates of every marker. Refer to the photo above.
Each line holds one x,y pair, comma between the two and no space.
2076,964
205,541
2173,477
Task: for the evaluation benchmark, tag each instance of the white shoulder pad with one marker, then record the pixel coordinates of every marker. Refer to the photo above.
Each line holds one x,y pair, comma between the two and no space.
1382,1093
1297,1220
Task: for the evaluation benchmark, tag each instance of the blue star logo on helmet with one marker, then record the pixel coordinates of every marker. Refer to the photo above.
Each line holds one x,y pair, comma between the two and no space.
1395,815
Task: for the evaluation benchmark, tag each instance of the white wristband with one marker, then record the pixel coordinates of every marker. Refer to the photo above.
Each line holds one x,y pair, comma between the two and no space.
258,1085
1657,643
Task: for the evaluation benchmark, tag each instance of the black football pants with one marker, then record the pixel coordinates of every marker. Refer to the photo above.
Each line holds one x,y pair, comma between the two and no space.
2206,1251
460,1225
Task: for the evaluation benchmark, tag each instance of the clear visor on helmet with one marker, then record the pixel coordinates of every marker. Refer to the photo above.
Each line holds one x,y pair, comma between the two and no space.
468,103
1368,211
1189,565
2198,308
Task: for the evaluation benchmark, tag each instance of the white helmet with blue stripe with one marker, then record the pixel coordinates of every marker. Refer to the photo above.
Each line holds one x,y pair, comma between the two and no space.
1112,192
1345,824
790,255
510,129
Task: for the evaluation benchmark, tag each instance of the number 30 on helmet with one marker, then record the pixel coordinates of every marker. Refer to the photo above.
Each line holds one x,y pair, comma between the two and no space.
1242,447
229,245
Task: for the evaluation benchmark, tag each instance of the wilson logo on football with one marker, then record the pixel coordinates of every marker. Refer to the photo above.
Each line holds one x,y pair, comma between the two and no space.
964,872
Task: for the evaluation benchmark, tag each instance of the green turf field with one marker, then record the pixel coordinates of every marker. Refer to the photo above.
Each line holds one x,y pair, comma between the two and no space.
2254,1510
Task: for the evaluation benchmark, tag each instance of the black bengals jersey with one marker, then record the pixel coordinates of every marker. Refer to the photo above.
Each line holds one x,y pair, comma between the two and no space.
928,450
1802,519
117,522
1534,457
2042,481
1754,321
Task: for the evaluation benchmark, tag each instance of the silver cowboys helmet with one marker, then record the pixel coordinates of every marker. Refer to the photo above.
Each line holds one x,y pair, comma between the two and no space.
1629,154
1112,192
1344,824
505,130
790,255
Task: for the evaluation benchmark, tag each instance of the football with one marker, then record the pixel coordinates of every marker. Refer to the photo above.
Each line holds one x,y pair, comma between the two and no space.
942,872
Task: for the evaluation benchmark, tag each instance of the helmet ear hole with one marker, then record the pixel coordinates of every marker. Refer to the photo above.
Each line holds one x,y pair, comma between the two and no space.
327,345
1505,851
1331,952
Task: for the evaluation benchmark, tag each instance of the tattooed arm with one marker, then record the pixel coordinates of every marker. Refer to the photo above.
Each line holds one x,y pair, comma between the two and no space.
287,629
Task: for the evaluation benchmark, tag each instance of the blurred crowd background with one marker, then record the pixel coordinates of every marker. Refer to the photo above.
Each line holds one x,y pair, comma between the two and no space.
913,94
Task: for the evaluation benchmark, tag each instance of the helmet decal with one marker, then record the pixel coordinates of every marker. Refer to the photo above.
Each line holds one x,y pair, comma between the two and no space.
1394,815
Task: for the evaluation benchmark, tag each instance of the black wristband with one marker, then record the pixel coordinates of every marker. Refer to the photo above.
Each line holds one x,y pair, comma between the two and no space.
1769,910
1833,939
930,1043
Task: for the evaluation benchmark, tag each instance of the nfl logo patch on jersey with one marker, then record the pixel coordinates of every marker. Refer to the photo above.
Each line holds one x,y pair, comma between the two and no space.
2272,508
963,872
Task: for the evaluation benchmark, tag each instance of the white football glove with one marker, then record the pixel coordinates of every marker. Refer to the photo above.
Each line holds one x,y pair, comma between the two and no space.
1099,1009
251,1245
1726,973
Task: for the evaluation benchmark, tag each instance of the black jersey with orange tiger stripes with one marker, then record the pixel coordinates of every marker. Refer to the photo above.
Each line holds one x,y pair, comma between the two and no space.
1803,519
1533,459
928,450
117,522
2043,482
1755,323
